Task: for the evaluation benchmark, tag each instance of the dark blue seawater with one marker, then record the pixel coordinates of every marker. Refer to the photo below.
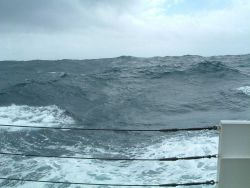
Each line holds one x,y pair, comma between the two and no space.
124,92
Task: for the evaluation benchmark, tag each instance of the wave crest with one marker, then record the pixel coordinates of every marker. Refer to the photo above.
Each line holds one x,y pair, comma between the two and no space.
31,115
212,66
245,90
202,69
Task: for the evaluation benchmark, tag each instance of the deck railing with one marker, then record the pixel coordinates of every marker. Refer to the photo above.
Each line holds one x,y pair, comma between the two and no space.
233,156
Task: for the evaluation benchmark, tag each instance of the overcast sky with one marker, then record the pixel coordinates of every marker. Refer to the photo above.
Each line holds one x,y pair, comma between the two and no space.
80,29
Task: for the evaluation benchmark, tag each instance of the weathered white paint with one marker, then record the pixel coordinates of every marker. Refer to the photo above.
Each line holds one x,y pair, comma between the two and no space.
234,155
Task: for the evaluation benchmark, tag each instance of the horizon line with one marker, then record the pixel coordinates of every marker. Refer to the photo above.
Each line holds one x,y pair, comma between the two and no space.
122,56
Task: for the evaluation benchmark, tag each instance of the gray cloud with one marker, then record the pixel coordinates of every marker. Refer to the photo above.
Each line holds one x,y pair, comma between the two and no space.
54,15
56,29
16,15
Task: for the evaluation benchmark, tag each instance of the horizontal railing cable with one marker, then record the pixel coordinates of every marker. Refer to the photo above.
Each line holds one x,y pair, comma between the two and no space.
211,182
112,159
114,129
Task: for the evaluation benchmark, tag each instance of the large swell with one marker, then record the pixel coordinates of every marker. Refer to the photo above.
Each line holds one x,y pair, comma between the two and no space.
123,92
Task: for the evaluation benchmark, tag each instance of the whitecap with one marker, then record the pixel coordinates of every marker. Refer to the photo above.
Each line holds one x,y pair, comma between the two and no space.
48,116
245,90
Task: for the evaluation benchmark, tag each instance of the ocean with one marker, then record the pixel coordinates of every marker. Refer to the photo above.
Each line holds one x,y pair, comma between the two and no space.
122,93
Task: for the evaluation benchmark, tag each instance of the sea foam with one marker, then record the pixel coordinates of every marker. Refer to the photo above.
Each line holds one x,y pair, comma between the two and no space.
245,90
34,116
131,172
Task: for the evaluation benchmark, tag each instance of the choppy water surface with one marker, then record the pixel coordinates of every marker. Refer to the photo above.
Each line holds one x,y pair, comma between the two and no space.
123,92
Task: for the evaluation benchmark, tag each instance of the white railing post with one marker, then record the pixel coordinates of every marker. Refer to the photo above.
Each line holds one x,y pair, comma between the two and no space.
234,155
